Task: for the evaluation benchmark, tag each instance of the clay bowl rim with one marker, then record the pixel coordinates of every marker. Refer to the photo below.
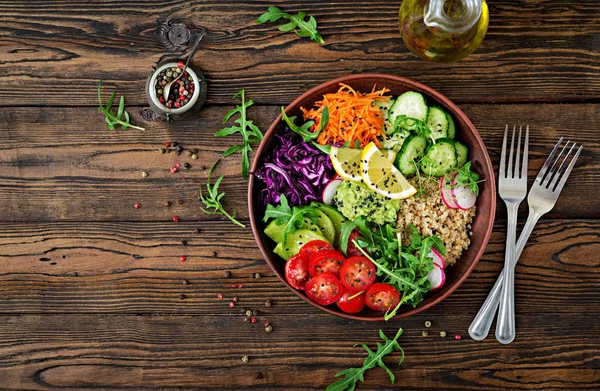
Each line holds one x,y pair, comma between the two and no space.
411,85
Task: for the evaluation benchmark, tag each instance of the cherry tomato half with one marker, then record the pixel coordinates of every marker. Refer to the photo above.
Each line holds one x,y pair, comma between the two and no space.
382,297
353,305
324,289
296,271
357,273
326,261
352,249
314,246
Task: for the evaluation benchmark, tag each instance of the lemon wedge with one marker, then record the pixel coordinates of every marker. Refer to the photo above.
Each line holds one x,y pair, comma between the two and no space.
380,175
389,154
346,162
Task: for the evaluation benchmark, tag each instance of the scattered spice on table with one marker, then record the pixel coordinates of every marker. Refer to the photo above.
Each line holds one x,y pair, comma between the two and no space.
442,334
168,204
245,359
215,254
173,170
144,174
258,375
424,333
185,282
235,299
176,219
194,156
187,166
162,150
231,305
257,275
184,243
180,202
137,205
248,313
227,274
253,320
268,328
181,296
183,258
197,231
457,337
219,296
268,303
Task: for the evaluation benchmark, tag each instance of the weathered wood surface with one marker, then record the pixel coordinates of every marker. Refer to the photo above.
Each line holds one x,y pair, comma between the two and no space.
73,168
134,268
55,53
90,288
188,352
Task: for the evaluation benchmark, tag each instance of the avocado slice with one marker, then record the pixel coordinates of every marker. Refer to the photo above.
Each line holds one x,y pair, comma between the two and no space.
295,241
334,215
326,226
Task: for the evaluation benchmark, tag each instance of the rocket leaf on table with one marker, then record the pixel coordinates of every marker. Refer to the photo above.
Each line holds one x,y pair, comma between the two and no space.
298,23
354,375
112,119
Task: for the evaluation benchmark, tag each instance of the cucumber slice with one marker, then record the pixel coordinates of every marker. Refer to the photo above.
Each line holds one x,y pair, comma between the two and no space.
451,127
411,153
334,215
294,241
462,153
412,104
440,158
326,226
438,123
384,106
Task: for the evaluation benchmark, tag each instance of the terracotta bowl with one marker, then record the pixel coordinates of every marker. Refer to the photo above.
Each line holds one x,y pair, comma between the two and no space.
466,133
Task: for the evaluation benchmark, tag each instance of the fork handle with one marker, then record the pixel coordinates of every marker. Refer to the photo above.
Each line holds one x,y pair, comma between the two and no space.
481,324
505,328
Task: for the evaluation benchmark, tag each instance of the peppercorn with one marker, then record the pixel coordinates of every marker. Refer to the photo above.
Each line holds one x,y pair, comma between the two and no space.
137,205
161,150
185,282
179,149
187,166
231,305
215,254
181,296
194,156
442,334
248,313
168,203
180,202
251,275
227,274
427,324
255,312
268,303
253,320
258,375
144,174
194,150
245,359
424,333
235,299
184,242
257,275
457,337
176,219
268,328
183,258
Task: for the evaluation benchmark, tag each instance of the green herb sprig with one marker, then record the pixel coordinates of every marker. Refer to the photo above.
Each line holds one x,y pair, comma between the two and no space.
468,177
374,358
413,125
305,133
213,198
293,218
297,23
122,116
250,132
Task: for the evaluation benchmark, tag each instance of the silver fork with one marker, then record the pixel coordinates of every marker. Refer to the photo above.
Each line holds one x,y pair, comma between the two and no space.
541,199
512,187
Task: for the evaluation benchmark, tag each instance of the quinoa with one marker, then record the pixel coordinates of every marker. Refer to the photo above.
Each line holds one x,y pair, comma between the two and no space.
428,213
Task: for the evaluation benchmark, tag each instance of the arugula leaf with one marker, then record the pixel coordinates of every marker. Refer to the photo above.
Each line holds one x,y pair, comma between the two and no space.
213,198
303,130
354,375
122,116
293,218
297,23
345,232
250,132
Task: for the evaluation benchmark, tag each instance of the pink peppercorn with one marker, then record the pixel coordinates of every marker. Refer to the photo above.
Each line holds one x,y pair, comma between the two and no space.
183,258
253,320
176,219
137,206
457,336
180,202
219,296
173,170
180,65
231,305
176,165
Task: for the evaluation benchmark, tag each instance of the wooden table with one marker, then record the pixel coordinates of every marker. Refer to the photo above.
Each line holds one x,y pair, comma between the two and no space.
93,294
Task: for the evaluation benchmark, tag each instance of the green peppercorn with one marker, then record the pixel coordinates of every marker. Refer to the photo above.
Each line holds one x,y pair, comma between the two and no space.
194,156
248,313
189,153
257,275
161,150
427,324
424,333
144,174
245,359
268,328
442,334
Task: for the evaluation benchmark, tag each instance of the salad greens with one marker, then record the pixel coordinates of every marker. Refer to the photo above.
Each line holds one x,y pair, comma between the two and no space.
298,23
416,126
305,133
468,177
404,267
213,198
292,217
122,116
250,132
354,375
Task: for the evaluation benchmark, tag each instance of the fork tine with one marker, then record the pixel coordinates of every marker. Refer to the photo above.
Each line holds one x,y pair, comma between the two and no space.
552,171
557,189
503,154
518,156
558,172
525,153
544,168
509,168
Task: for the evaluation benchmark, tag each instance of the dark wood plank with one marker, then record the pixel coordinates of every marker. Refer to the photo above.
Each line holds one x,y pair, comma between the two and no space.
536,50
302,353
134,268
63,164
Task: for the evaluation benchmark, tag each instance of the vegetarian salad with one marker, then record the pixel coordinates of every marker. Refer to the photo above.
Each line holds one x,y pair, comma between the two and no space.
368,198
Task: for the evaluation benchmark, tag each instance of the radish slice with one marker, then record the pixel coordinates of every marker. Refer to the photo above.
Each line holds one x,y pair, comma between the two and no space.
330,190
436,277
437,258
446,191
464,197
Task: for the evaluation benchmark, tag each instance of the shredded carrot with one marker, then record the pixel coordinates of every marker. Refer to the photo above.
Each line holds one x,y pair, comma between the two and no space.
352,116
